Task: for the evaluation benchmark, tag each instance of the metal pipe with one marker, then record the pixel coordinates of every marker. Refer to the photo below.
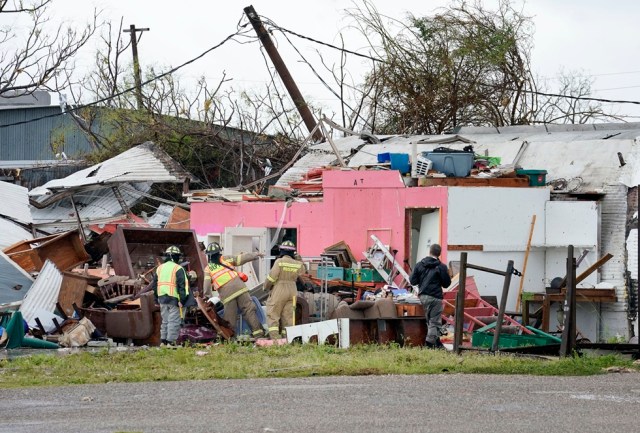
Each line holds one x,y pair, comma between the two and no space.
459,324
503,305
568,343
489,270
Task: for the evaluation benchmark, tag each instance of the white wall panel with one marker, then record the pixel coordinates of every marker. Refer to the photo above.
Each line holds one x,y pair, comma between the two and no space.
498,218
572,223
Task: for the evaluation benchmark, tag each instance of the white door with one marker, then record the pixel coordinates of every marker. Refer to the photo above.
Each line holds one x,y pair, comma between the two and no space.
248,240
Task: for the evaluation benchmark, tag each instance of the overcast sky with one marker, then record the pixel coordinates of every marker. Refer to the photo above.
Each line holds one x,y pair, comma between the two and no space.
597,38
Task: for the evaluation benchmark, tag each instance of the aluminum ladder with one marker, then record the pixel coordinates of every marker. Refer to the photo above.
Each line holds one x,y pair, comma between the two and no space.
388,259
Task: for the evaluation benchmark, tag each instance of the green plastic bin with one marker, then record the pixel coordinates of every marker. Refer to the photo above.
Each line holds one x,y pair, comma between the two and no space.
363,275
536,177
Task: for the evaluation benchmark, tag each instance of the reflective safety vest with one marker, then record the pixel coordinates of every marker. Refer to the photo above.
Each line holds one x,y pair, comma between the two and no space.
167,273
221,275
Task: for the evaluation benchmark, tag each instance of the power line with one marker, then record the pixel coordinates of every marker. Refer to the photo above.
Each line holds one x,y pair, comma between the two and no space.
535,92
130,89
355,53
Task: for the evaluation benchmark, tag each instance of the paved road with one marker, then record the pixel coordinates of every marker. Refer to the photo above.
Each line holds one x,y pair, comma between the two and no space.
436,403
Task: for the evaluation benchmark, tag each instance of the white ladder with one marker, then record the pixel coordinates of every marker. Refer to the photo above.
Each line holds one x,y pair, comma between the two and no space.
379,265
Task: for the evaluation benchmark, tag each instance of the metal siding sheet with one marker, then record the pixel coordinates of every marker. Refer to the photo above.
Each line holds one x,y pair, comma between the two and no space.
11,233
612,229
632,253
15,202
11,276
43,293
33,141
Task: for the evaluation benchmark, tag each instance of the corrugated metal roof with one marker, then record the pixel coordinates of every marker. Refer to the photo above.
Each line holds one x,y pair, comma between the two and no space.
12,276
44,292
161,216
586,155
143,163
94,206
15,202
34,140
10,233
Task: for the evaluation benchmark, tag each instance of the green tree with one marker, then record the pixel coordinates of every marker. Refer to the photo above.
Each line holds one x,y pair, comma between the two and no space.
466,65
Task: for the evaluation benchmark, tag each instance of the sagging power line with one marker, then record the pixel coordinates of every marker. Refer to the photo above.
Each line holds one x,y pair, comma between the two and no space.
130,89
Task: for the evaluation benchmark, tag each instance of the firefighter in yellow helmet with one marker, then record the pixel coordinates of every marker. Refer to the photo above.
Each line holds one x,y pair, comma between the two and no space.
221,275
282,283
171,289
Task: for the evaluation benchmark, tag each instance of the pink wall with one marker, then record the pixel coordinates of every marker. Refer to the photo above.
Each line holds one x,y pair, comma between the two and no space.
356,204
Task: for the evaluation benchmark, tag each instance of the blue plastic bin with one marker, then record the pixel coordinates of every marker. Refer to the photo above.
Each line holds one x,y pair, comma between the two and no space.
384,157
400,162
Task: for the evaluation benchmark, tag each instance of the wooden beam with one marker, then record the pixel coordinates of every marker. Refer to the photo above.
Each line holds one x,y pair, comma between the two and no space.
524,266
589,270
465,247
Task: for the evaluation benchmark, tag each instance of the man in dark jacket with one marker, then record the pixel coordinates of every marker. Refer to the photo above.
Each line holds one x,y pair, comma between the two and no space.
430,275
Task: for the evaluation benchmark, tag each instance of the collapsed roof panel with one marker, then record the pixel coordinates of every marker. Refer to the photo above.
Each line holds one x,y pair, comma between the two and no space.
144,163
94,207
15,202
586,157
14,281
10,233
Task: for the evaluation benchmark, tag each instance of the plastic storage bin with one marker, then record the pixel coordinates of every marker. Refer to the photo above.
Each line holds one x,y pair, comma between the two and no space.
454,164
364,275
536,177
330,273
400,162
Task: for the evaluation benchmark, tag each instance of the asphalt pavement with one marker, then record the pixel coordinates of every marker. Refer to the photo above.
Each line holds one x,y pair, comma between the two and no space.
432,403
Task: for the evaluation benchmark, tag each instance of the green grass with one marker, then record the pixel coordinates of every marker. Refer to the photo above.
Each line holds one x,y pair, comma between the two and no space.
236,361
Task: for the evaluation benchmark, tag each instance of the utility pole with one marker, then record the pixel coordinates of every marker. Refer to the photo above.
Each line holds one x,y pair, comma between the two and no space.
136,65
286,77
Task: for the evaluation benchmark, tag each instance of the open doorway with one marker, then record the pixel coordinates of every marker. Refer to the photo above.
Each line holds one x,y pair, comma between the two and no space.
423,230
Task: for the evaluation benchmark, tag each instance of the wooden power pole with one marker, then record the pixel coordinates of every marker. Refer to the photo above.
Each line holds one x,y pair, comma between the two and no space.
286,77
136,65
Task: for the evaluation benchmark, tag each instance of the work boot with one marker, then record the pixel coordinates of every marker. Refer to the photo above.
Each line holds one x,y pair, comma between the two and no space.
436,345
163,343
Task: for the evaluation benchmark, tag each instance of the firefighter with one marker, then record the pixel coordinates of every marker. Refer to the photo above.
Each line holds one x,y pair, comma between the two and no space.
221,276
171,290
282,283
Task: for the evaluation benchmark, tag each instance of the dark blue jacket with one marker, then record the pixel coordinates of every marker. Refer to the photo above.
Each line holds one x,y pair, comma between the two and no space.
430,275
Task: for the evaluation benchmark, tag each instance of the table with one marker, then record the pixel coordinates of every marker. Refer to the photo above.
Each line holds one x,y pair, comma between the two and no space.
546,299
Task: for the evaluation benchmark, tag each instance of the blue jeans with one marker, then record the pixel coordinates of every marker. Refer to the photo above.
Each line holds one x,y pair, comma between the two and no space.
433,314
